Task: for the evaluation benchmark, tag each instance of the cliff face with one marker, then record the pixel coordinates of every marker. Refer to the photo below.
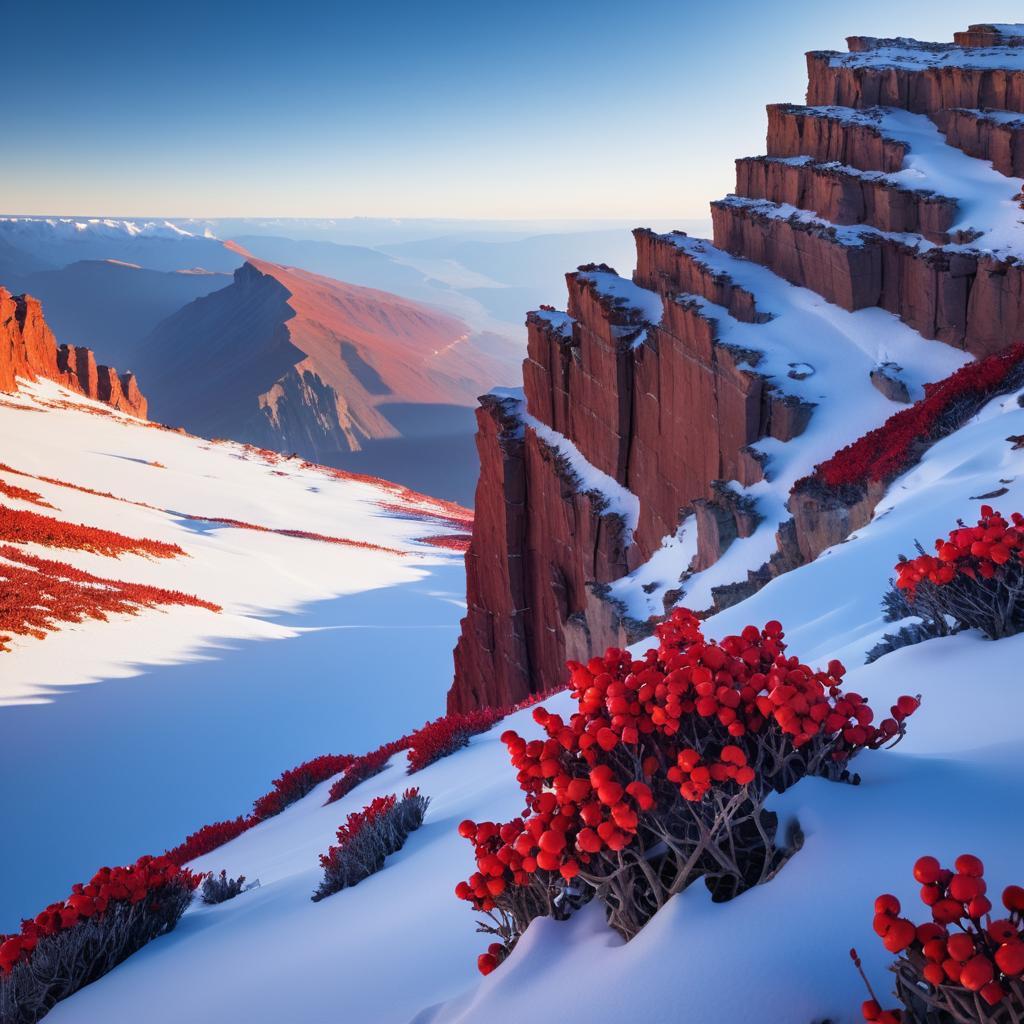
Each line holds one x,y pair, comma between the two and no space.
29,350
660,388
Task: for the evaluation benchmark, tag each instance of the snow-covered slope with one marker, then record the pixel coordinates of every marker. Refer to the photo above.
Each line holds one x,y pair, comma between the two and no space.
400,947
193,712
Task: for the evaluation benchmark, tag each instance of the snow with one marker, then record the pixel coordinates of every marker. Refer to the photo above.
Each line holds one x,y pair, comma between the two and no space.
842,348
919,58
69,226
647,304
399,948
185,719
559,320
643,591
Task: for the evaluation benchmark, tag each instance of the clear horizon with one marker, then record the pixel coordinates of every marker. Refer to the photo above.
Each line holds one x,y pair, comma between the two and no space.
451,112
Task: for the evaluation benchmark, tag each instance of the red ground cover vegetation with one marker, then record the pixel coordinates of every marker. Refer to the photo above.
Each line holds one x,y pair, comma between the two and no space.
966,963
37,594
451,541
882,454
661,775
22,494
27,527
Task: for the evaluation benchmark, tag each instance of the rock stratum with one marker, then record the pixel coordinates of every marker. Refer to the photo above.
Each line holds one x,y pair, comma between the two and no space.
676,411
293,361
29,350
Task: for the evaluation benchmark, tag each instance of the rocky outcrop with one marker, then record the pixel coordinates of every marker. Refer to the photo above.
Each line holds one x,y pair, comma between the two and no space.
990,35
827,136
29,350
543,539
987,136
837,194
835,79
967,299
645,385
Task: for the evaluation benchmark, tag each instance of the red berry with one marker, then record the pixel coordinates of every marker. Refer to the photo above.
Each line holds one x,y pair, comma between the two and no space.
486,962
927,870
977,973
900,935
992,993
1013,898
1010,958
887,904
968,864
870,1009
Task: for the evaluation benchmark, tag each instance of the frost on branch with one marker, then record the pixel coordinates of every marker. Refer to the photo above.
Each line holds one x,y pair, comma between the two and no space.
367,838
661,778
220,888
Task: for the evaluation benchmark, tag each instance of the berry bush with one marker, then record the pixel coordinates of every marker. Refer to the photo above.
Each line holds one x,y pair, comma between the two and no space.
367,838
661,775
76,941
963,966
975,578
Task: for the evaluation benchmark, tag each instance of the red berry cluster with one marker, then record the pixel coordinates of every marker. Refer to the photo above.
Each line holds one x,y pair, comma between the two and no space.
691,716
882,454
108,886
962,947
971,551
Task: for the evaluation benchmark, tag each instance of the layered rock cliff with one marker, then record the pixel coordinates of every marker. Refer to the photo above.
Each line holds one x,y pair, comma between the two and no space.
665,420
29,350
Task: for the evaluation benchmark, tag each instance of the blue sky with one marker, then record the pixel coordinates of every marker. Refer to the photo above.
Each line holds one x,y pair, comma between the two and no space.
439,109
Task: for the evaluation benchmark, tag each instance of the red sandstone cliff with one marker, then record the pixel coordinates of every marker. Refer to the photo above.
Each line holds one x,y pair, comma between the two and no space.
646,390
29,350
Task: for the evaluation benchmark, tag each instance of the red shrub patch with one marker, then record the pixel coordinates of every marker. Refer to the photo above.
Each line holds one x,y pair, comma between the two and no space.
975,577
445,735
76,941
882,454
295,783
962,966
37,594
208,838
24,527
661,776
368,837
451,541
365,767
